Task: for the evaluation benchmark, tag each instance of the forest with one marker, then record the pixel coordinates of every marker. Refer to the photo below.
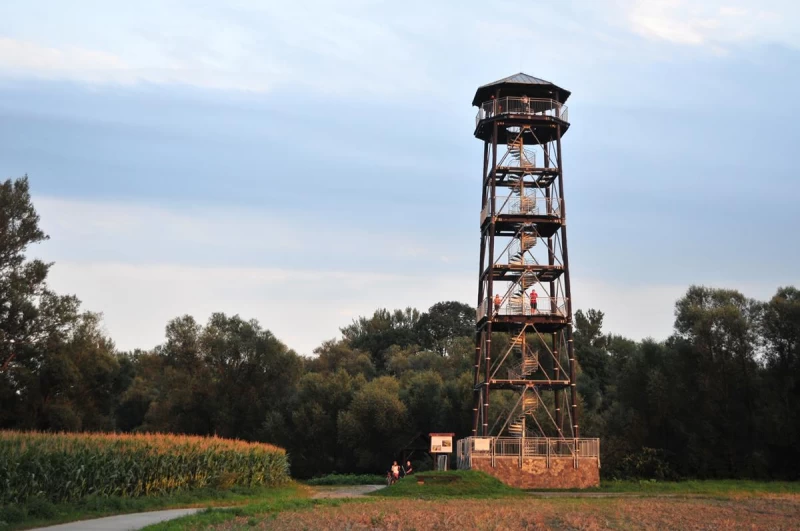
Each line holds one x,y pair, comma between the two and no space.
719,398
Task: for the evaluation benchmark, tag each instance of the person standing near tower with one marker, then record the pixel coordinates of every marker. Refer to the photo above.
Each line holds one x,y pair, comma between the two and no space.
534,298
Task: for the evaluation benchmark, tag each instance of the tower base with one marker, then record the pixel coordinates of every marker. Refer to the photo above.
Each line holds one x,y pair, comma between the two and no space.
535,474
541,463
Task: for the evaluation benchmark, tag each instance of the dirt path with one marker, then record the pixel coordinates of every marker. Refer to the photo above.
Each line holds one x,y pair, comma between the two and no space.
353,491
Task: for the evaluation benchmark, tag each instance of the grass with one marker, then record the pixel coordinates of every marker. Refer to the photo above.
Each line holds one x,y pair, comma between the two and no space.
347,479
474,496
292,508
38,512
708,487
250,515
467,484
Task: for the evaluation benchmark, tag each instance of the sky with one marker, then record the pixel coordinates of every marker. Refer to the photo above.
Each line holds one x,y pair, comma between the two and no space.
305,163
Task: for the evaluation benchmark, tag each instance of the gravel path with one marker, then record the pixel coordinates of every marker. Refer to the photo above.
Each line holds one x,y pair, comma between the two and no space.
129,522
123,522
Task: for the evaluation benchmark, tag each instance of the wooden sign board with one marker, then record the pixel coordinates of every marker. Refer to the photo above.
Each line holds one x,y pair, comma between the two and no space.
442,443
482,444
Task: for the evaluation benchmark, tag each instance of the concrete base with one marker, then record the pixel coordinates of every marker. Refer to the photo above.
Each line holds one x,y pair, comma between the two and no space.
535,474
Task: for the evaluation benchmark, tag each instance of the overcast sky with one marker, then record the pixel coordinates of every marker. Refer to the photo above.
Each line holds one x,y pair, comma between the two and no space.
307,162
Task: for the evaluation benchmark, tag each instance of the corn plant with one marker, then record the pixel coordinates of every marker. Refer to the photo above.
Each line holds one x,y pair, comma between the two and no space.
70,466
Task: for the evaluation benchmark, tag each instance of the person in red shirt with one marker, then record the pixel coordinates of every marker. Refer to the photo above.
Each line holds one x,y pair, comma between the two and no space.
497,302
534,296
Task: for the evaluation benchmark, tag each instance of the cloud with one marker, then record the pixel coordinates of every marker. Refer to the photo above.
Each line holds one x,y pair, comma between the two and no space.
366,49
715,24
29,56
28,59
244,45
301,307
142,265
305,307
305,304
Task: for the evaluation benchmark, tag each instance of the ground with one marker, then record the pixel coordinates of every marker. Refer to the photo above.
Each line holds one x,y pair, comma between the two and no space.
478,501
473,500
537,513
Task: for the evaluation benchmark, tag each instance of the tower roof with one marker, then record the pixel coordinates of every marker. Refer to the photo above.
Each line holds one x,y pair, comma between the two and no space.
521,85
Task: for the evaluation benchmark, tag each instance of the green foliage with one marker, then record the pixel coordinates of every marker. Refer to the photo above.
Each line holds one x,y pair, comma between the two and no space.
375,424
68,467
347,479
384,329
646,463
443,323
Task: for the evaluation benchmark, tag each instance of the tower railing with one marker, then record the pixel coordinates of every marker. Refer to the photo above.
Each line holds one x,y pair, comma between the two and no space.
523,106
526,447
549,306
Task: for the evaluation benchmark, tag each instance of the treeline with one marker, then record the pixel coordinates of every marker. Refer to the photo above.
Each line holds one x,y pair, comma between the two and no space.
719,398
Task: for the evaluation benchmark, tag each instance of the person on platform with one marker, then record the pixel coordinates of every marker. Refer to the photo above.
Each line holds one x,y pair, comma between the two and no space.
534,298
497,302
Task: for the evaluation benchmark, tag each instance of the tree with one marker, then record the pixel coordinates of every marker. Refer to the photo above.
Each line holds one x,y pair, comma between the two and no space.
443,323
338,354
35,323
375,425
715,353
314,411
384,329
779,327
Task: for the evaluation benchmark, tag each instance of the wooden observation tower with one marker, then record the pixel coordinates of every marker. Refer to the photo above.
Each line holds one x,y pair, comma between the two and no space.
524,345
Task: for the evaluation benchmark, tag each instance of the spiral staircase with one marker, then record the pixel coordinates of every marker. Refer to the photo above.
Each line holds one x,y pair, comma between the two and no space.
530,403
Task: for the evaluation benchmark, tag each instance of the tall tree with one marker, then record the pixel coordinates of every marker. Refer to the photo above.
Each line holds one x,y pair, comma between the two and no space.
779,325
34,321
715,344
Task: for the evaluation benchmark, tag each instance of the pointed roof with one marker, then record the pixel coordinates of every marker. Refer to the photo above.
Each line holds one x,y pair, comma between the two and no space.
521,84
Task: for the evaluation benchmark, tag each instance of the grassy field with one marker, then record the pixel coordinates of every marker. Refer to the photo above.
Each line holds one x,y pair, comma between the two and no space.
478,501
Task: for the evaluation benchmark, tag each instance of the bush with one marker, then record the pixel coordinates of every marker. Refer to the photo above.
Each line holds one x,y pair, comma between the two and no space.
11,514
40,508
647,463
71,466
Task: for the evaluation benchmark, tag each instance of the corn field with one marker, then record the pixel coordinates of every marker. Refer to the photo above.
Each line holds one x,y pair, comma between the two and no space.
70,466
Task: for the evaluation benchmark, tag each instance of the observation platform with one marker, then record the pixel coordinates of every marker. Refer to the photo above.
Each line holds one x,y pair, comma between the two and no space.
514,385
513,212
545,117
510,224
550,315
509,176
513,272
